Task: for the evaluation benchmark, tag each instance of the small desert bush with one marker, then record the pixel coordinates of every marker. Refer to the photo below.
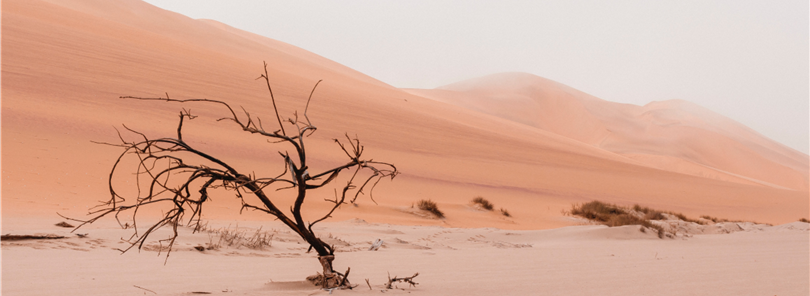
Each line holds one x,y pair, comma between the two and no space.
651,214
627,219
718,220
684,218
612,215
804,220
227,237
505,212
430,206
483,203
713,219
64,224
654,215
597,210
641,209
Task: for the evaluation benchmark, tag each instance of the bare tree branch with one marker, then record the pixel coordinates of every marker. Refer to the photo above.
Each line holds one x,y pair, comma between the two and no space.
179,176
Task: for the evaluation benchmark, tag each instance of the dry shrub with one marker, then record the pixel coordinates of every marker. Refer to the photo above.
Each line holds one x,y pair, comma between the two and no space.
236,238
201,226
651,214
483,203
627,219
710,218
718,220
654,215
684,218
641,209
64,224
430,206
505,212
259,240
612,215
597,210
804,220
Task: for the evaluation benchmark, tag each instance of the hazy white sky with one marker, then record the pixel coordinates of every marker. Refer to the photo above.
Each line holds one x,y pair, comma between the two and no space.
747,60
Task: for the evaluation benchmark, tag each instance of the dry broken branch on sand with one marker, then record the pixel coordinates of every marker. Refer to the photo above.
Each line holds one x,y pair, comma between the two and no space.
395,279
179,176
11,237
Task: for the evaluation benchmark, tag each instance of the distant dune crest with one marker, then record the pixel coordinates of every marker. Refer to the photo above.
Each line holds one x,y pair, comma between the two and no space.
674,135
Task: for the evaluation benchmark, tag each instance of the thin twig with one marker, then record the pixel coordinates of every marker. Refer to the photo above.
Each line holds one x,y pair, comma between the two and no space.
142,288
309,99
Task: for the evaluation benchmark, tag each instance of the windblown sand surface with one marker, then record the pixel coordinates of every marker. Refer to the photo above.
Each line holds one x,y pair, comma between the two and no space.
574,260
528,144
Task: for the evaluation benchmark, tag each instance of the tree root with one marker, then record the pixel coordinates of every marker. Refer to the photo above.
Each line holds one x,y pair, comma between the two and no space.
335,281
330,279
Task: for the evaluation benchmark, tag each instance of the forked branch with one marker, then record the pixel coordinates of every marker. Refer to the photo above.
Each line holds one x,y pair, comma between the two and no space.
395,279
171,172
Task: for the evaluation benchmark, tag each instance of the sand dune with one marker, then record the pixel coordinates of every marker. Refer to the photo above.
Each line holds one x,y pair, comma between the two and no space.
66,62
527,144
673,129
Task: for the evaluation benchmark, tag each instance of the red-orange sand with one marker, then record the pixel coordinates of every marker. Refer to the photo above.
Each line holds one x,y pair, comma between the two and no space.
528,144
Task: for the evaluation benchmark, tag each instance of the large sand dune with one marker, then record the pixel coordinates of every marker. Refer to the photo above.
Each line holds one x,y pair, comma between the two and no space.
674,135
528,144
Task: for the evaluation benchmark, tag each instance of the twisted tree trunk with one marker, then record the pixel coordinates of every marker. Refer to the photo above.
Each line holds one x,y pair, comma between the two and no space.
173,170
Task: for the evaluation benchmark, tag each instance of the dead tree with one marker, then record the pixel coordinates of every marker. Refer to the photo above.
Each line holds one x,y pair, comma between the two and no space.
180,175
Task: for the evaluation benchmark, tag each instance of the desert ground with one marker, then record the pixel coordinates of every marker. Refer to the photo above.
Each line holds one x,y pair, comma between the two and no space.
573,260
530,145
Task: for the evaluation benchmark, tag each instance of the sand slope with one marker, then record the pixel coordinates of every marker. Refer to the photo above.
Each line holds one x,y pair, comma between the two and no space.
65,63
673,135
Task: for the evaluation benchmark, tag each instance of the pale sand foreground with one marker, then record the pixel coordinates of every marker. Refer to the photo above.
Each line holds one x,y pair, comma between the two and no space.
66,62
574,260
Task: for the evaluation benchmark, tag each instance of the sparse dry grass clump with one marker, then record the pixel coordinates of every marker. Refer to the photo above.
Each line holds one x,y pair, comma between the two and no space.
713,219
651,214
64,224
804,220
430,206
596,210
235,238
612,215
684,218
483,203
718,220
